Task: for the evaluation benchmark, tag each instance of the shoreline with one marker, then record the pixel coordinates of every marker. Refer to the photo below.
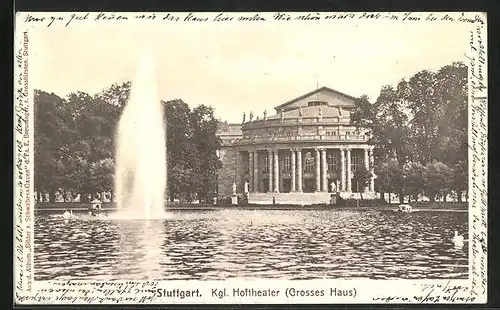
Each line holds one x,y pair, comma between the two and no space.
109,207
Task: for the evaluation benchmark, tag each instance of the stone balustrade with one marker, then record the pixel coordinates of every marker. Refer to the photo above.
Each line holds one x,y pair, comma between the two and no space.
300,138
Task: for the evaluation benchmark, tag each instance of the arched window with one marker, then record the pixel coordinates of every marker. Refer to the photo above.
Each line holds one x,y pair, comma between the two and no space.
357,161
333,161
287,162
308,162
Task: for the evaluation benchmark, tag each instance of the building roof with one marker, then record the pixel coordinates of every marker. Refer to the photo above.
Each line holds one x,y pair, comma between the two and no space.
313,111
226,129
324,90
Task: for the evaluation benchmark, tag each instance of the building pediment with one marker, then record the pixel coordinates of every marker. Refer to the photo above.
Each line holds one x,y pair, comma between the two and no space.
313,111
323,95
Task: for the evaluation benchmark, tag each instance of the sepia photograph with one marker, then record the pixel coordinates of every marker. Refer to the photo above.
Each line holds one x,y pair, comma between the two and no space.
200,147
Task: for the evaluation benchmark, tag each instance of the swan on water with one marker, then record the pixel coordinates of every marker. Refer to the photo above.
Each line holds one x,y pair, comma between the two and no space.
68,214
458,240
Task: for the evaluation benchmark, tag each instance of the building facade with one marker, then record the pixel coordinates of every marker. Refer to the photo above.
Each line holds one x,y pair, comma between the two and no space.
302,154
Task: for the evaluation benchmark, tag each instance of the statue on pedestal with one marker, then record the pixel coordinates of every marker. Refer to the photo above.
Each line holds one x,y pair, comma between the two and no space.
265,115
234,188
333,187
244,117
251,116
246,187
300,112
234,196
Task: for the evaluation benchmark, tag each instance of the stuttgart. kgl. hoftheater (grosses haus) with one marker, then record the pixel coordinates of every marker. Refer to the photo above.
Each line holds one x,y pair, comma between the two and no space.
302,154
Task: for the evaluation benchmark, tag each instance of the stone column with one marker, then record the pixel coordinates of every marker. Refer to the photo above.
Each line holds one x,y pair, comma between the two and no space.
372,166
276,173
348,155
270,169
256,171
317,170
299,171
237,172
250,171
367,166
342,170
294,169
324,171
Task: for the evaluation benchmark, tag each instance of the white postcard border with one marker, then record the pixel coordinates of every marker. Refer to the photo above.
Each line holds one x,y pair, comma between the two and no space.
28,291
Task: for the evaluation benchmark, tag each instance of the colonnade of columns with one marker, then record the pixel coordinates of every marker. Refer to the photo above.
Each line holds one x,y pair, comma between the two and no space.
296,170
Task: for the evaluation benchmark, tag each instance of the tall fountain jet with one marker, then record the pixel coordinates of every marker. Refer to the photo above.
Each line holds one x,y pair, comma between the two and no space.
141,173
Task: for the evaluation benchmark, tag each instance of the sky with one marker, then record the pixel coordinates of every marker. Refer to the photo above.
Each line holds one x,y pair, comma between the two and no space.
242,67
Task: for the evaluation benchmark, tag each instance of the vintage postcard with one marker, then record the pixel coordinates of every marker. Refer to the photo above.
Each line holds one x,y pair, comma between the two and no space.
218,158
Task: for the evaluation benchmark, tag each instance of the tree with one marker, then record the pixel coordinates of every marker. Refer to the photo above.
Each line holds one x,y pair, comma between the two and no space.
414,179
390,177
92,151
397,177
422,120
116,95
460,179
74,136
53,136
383,184
365,115
387,124
362,178
452,95
101,175
180,154
438,105
420,95
191,149
206,143
438,176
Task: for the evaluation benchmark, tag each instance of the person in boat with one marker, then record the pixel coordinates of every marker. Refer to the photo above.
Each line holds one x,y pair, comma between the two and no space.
95,207
404,208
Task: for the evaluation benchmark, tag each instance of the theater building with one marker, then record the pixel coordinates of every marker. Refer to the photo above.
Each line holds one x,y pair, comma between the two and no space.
301,154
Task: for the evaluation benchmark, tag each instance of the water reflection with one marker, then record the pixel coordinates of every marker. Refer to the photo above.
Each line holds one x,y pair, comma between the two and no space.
254,244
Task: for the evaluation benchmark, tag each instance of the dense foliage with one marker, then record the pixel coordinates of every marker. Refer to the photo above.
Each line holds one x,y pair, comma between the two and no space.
191,150
74,143
419,129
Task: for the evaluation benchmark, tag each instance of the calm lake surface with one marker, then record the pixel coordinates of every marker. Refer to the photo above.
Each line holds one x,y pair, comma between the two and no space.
291,244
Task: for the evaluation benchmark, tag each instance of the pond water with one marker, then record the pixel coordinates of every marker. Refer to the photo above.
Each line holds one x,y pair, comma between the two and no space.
244,244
